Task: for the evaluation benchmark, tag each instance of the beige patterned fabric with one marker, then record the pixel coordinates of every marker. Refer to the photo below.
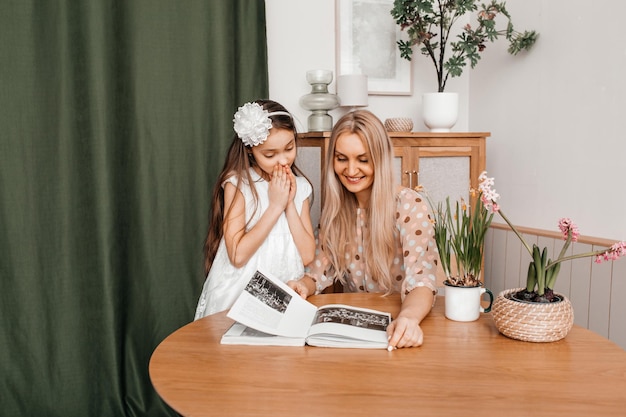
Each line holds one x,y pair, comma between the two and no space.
416,253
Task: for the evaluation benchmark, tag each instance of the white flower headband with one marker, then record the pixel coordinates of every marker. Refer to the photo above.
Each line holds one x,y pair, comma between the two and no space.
252,123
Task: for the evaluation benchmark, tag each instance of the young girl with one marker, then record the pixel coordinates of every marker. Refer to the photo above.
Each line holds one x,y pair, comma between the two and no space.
374,236
260,211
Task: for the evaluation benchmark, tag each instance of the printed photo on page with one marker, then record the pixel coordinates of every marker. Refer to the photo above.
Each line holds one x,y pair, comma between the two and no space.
269,305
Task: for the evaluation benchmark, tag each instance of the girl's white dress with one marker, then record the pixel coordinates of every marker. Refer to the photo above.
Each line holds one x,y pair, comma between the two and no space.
277,255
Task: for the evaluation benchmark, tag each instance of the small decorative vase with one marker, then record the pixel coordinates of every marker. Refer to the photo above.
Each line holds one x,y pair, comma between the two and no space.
532,322
319,101
440,111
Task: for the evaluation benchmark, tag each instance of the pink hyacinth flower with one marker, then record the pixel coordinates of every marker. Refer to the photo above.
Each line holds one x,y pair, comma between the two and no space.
613,253
489,196
567,226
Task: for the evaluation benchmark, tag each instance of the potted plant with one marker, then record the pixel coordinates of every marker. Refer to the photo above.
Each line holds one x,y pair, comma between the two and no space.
536,313
429,25
460,236
459,232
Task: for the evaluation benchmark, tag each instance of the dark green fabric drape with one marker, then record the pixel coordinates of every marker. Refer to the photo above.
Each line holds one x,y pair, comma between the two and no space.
114,119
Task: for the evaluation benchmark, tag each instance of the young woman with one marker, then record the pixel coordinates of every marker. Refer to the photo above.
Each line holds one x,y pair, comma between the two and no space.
260,211
375,236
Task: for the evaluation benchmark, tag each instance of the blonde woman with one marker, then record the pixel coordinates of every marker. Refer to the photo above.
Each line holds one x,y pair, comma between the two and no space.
375,236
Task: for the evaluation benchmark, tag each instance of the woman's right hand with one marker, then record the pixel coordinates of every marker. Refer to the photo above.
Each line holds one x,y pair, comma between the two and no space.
303,286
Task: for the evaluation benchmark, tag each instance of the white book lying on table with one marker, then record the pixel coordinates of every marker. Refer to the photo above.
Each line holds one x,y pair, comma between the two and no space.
269,312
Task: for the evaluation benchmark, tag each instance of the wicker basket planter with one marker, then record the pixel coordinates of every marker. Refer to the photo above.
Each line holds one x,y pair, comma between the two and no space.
532,322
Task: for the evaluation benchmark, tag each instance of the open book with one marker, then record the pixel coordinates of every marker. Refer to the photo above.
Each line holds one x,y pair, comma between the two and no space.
268,312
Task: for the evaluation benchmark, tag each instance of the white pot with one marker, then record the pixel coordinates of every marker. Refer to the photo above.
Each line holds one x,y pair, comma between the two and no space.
464,303
440,111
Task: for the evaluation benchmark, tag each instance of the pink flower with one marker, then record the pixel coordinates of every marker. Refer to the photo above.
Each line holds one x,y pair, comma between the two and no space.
613,253
619,248
568,227
488,196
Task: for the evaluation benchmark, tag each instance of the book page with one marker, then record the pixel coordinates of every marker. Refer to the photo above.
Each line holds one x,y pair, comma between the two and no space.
238,334
346,326
270,306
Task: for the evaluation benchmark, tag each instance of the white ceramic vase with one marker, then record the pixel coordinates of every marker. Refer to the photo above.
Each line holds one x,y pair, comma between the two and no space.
440,111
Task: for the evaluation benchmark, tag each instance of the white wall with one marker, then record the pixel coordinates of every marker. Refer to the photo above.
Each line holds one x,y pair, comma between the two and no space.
556,148
301,37
556,117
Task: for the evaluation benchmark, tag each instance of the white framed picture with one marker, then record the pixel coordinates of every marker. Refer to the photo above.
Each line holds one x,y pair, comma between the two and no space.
366,44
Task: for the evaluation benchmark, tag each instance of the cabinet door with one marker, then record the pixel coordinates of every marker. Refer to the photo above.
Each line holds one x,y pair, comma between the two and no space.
404,166
442,172
444,176
445,164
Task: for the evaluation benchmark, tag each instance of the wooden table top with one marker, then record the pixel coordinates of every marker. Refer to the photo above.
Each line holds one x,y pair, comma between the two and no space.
462,368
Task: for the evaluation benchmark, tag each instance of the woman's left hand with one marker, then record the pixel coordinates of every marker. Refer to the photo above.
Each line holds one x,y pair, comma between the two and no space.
405,330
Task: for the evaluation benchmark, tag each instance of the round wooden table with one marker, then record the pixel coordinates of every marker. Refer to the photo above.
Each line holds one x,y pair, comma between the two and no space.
462,369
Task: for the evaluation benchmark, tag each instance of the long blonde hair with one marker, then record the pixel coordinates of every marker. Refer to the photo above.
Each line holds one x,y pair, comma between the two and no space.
339,215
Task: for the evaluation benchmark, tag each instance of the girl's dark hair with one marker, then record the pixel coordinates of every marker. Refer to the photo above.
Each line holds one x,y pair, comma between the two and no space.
238,163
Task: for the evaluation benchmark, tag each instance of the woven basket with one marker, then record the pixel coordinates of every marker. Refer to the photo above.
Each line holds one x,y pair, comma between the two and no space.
532,322
399,124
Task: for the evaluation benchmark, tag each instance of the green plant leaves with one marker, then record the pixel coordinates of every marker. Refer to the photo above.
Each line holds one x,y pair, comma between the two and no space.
460,231
429,24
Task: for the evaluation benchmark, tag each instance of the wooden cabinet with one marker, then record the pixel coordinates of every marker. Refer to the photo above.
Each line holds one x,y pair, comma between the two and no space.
446,164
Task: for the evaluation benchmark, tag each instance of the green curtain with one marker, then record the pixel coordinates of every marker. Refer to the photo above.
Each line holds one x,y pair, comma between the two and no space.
114,121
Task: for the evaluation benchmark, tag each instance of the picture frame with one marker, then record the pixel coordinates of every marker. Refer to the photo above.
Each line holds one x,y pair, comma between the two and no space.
366,44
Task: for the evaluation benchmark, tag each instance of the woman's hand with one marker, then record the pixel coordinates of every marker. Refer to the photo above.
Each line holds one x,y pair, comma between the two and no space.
405,330
304,286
